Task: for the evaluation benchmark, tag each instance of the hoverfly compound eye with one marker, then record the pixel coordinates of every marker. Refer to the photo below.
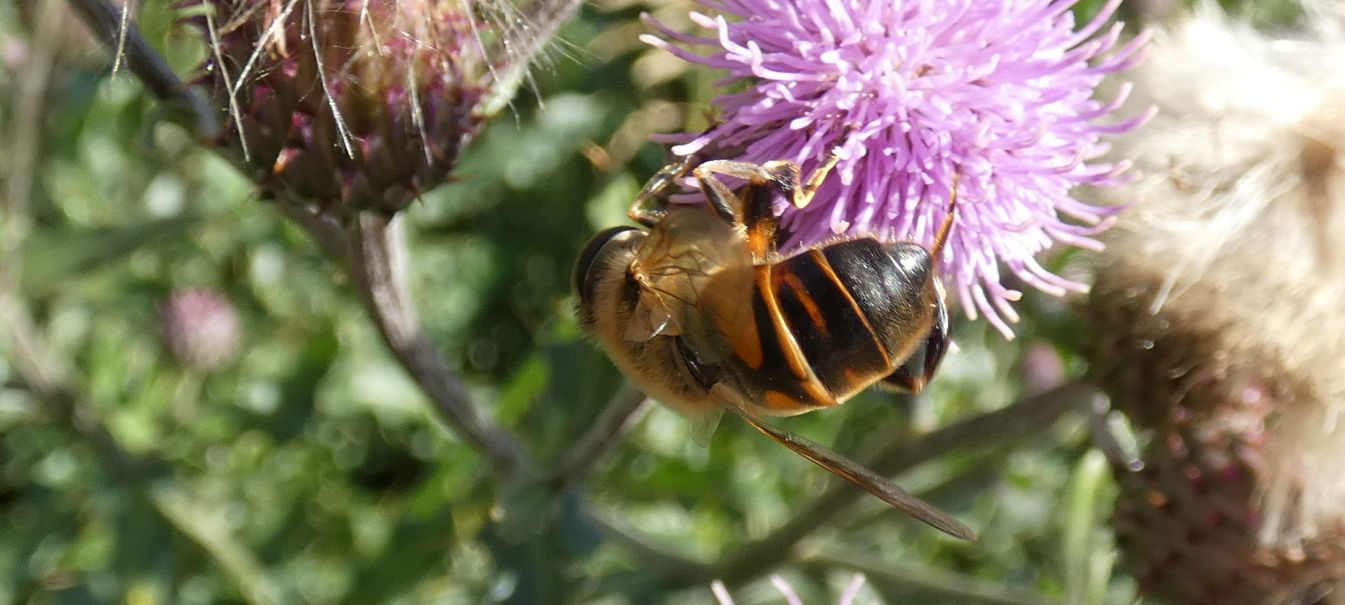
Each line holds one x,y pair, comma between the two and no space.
583,282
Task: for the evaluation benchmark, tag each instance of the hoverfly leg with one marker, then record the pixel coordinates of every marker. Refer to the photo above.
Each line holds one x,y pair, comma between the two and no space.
647,217
936,345
946,228
903,380
725,202
656,191
802,197
751,205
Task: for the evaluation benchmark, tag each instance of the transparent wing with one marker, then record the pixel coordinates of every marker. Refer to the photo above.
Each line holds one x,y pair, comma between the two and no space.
851,471
684,254
703,425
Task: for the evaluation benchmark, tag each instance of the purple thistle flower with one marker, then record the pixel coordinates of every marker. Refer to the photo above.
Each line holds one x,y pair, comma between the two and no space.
916,95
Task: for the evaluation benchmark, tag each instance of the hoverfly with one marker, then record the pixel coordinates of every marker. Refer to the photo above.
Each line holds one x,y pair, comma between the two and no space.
703,313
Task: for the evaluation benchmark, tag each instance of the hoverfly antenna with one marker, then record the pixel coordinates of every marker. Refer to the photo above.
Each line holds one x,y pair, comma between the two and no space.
947,227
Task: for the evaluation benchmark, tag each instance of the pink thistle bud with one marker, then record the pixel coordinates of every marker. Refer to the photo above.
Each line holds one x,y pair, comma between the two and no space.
200,329
349,105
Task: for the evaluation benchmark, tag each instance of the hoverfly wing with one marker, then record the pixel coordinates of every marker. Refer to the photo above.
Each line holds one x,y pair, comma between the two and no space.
726,323
851,471
651,318
703,425
681,257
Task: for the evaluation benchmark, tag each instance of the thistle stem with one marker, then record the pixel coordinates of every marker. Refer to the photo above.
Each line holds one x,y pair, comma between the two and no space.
1011,423
147,64
626,407
926,582
377,254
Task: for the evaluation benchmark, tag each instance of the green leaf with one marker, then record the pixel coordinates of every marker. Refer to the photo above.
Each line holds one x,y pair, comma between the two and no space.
52,258
1084,559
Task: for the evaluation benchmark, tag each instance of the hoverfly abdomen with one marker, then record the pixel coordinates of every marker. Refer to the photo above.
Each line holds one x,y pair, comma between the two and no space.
827,308
835,320
892,286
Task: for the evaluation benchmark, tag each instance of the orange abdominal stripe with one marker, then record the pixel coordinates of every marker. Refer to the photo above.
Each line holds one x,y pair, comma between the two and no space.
818,259
788,281
827,325
777,400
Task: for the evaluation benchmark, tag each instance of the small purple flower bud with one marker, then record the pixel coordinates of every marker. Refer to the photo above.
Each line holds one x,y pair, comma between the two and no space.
991,97
1041,368
200,329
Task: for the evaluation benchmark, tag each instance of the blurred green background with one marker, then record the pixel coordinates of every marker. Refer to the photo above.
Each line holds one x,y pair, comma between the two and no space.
311,469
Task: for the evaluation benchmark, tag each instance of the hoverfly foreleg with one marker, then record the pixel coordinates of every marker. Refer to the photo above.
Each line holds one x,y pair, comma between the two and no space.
750,206
650,205
802,197
724,201
781,175
946,228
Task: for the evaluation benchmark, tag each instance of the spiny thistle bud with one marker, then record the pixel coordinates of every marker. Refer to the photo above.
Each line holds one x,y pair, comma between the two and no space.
200,329
1219,325
347,104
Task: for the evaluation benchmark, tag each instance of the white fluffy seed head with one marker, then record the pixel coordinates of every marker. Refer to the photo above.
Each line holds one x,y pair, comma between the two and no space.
1238,236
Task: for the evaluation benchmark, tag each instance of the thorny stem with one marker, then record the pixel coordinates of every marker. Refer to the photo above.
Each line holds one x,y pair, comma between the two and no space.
147,64
622,411
927,582
377,253
1020,419
372,250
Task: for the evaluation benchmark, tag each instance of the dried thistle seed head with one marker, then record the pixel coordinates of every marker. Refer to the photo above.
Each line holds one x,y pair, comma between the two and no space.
1218,318
200,329
347,104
